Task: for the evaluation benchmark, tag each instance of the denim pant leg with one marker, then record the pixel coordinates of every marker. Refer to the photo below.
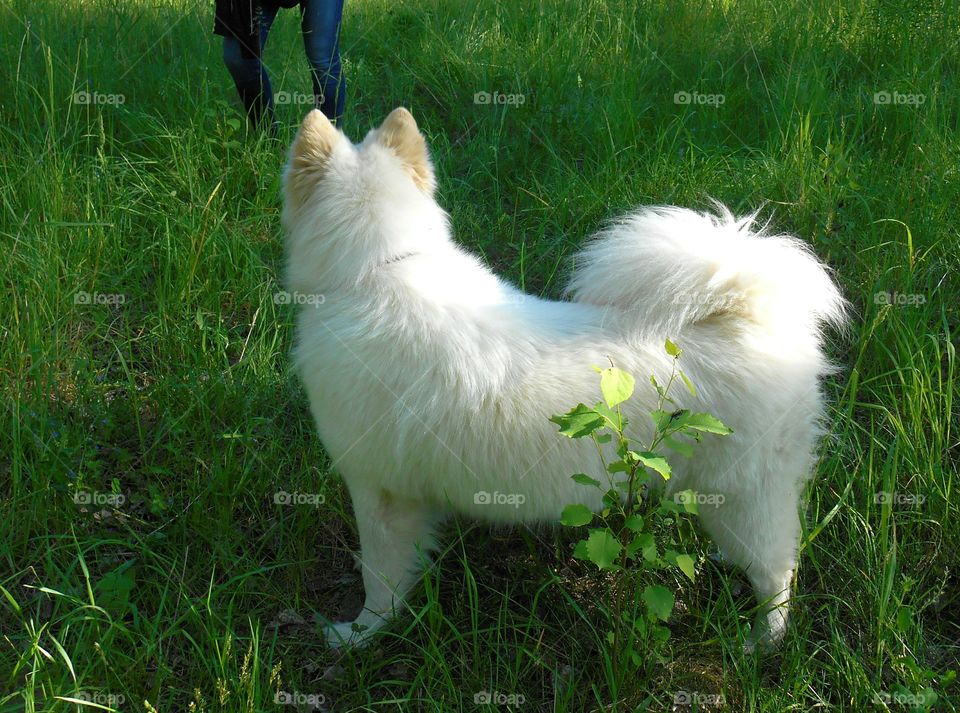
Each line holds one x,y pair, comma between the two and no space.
249,74
321,40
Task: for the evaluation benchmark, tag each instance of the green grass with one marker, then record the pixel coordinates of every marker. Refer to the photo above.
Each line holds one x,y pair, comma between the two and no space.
181,400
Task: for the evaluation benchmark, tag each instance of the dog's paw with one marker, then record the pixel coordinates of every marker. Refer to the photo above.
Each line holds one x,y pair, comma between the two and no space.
342,635
766,635
348,634
760,644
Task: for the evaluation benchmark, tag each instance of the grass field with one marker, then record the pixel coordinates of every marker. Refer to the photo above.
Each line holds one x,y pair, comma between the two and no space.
150,415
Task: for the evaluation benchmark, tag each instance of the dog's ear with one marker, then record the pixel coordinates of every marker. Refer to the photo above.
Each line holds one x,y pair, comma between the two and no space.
399,132
309,155
314,142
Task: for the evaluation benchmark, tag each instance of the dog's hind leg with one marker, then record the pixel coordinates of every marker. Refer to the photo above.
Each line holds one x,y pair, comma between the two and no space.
395,535
758,533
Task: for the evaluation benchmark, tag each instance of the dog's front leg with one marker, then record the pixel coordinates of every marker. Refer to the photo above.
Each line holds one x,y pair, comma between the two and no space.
395,535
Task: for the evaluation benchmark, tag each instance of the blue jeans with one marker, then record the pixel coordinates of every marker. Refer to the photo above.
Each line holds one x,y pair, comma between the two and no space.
320,23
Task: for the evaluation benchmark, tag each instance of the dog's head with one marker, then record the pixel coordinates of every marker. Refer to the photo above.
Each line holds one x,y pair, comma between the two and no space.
356,204
323,160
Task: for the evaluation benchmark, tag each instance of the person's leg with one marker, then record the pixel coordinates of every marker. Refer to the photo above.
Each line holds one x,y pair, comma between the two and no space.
249,74
321,39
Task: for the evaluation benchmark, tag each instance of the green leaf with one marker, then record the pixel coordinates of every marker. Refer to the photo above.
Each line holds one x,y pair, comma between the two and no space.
611,498
653,380
659,601
681,447
634,523
678,418
604,438
661,419
579,422
672,349
616,385
584,479
668,506
706,423
660,634
614,419
114,588
580,550
685,563
687,500
693,391
645,544
576,515
658,463
643,477
904,618
603,548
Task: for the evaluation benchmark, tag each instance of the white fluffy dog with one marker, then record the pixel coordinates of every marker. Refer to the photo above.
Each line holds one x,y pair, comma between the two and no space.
432,380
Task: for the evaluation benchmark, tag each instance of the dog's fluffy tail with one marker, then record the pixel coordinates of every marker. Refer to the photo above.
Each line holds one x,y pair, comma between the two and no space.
672,267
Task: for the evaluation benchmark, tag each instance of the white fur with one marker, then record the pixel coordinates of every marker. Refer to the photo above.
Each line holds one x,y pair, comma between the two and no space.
431,379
